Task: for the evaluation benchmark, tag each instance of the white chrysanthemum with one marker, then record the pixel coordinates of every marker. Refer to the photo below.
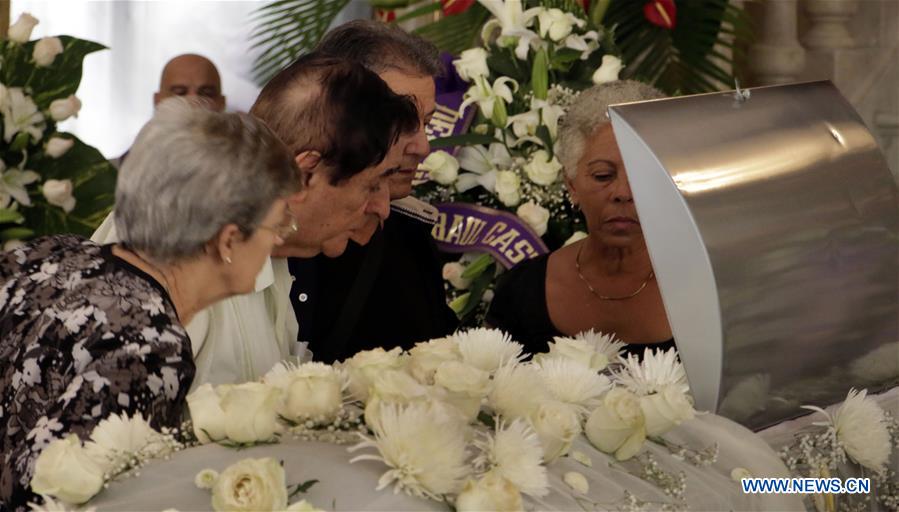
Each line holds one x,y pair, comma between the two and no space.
517,391
573,383
861,428
118,440
514,452
657,371
425,451
605,344
487,349
51,505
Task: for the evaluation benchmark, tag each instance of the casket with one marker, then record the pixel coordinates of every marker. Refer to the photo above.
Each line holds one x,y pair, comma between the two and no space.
771,221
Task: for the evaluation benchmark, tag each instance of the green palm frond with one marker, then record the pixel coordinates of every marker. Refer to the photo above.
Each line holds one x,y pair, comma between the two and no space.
696,56
285,29
457,33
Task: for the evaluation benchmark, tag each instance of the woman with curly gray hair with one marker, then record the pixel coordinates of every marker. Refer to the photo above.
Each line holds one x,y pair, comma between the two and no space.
87,331
605,281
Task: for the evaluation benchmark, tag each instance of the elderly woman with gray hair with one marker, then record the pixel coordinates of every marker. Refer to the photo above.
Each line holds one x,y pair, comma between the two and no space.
87,331
605,281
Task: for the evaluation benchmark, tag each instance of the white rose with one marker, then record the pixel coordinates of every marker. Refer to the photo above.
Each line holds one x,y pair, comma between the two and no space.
608,70
311,391
65,471
251,412
59,193
507,187
426,357
617,425
65,108
364,366
576,350
251,485
541,169
466,386
452,272
556,23
46,50
206,413
58,146
391,386
471,64
303,506
12,244
575,237
535,216
442,167
491,492
665,410
556,424
20,31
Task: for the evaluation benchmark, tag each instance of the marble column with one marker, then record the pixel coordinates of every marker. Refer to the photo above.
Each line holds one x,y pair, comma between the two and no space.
776,57
828,19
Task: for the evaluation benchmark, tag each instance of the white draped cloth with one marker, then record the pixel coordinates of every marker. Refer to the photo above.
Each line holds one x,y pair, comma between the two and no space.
344,486
241,338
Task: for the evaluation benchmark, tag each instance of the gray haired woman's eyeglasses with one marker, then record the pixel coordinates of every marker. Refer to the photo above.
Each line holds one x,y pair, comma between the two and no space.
285,229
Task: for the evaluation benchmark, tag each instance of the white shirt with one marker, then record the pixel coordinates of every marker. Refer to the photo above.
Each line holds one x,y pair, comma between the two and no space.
238,339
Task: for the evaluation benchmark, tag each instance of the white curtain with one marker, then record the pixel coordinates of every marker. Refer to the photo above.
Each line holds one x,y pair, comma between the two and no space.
118,84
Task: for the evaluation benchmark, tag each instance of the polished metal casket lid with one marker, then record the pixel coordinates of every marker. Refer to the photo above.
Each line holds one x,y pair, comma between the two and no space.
773,226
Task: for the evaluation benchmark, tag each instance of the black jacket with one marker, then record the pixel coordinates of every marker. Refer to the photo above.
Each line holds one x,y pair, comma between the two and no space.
387,294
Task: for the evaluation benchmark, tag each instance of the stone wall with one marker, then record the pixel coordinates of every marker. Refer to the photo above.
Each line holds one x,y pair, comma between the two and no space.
853,43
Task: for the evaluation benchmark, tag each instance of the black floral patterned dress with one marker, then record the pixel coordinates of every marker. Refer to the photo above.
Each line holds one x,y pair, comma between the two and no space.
83,334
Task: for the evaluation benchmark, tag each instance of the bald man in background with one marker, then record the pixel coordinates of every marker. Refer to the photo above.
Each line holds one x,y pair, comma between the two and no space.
192,76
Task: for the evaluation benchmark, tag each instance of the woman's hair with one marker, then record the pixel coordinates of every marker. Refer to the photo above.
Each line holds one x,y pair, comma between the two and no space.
590,111
191,172
338,108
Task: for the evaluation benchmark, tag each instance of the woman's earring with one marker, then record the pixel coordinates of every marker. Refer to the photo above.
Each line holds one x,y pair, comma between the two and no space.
228,260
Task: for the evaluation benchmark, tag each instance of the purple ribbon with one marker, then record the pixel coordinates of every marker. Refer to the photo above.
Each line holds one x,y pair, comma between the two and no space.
447,119
463,227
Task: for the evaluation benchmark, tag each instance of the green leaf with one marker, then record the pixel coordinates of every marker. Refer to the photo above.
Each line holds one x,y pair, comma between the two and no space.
477,267
476,291
544,135
15,234
459,303
302,488
419,11
540,75
457,33
287,29
58,80
93,178
7,215
466,139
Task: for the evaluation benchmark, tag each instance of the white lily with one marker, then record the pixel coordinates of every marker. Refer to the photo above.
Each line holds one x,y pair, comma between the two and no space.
525,125
488,97
513,22
482,163
608,70
13,183
21,115
557,24
586,43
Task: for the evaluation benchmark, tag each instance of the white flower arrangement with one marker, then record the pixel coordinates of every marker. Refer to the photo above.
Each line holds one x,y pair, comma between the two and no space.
856,439
50,182
462,419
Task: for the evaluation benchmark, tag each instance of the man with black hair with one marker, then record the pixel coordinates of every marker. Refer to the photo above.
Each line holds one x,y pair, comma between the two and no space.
390,292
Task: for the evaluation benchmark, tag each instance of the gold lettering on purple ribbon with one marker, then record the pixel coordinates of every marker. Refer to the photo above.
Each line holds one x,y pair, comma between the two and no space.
442,123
